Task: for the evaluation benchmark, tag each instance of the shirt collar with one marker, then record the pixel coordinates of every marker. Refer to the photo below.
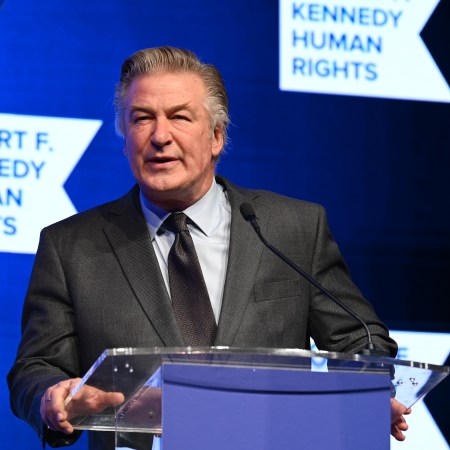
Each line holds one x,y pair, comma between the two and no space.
202,213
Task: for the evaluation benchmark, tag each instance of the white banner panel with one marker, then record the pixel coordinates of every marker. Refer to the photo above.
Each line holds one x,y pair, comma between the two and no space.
366,48
37,155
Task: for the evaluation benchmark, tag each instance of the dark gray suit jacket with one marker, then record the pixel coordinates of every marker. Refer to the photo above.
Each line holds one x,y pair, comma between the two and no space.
96,278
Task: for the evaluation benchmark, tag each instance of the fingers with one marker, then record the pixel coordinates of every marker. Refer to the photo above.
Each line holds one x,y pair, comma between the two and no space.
91,400
88,400
397,434
112,399
52,409
398,421
401,424
397,429
397,409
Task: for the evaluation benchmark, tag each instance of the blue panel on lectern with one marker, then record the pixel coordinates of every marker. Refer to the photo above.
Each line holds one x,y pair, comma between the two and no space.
217,407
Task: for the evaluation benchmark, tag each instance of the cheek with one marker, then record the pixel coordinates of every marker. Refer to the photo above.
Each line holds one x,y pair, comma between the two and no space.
137,136
200,157
134,157
202,149
133,145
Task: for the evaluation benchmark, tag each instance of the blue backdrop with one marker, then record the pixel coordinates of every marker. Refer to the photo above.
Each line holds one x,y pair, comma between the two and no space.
380,167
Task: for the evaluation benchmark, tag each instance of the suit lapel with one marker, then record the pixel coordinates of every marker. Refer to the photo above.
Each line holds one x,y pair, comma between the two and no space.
243,260
130,241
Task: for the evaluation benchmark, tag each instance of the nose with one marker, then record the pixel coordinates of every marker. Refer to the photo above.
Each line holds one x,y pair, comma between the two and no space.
161,134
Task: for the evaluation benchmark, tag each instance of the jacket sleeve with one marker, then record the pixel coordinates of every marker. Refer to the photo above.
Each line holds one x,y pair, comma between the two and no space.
48,351
332,328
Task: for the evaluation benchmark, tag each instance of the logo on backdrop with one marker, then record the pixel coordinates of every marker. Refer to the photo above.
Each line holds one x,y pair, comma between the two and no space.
37,155
359,47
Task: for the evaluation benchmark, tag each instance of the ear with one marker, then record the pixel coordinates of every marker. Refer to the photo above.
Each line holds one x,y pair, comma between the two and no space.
125,150
217,142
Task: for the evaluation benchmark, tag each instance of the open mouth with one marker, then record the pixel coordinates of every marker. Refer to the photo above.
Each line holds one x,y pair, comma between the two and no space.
161,160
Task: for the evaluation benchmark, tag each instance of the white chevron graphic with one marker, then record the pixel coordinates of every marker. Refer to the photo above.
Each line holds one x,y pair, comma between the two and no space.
368,48
37,155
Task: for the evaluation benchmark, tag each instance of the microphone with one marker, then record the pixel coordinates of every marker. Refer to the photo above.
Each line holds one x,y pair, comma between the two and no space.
248,213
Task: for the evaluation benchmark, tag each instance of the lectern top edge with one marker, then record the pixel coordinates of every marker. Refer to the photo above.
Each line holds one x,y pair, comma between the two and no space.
276,352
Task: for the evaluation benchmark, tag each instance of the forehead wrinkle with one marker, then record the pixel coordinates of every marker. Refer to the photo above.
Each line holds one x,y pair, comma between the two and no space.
181,107
169,110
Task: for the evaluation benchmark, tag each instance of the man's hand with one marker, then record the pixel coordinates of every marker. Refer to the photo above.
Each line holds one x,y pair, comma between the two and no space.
398,422
89,400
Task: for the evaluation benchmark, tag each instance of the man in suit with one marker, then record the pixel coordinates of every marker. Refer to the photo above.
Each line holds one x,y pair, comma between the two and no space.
101,278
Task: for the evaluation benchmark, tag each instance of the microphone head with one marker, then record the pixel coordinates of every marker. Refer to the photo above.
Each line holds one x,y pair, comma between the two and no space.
247,211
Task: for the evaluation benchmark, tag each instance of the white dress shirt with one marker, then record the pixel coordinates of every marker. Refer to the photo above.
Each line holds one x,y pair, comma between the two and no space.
211,235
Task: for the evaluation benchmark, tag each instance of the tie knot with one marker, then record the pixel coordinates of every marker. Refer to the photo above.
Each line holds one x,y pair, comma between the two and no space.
176,222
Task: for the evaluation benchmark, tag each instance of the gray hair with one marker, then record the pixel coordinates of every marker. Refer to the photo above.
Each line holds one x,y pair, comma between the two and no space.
173,60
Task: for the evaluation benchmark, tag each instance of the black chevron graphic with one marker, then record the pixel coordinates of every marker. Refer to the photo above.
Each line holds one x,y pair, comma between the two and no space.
436,36
437,403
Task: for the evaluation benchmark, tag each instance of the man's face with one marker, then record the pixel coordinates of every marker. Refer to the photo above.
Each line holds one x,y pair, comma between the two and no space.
168,139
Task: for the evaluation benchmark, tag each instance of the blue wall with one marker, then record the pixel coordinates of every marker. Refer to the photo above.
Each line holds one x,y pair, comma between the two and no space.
379,166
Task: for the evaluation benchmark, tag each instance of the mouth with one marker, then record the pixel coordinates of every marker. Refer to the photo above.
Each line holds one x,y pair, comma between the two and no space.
160,160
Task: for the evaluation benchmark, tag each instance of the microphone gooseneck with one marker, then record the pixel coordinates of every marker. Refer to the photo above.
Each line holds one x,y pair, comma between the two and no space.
248,213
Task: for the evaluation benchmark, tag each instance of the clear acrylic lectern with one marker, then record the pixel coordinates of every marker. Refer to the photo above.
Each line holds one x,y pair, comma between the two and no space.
234,398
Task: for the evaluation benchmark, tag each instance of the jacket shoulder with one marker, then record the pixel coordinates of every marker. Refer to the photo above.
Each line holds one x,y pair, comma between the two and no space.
271,201
99,215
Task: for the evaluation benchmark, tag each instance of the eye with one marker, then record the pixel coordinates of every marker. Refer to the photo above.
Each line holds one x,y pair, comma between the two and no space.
141,119
181,117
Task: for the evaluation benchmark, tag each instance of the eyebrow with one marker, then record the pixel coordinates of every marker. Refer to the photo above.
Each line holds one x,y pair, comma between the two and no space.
173,109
